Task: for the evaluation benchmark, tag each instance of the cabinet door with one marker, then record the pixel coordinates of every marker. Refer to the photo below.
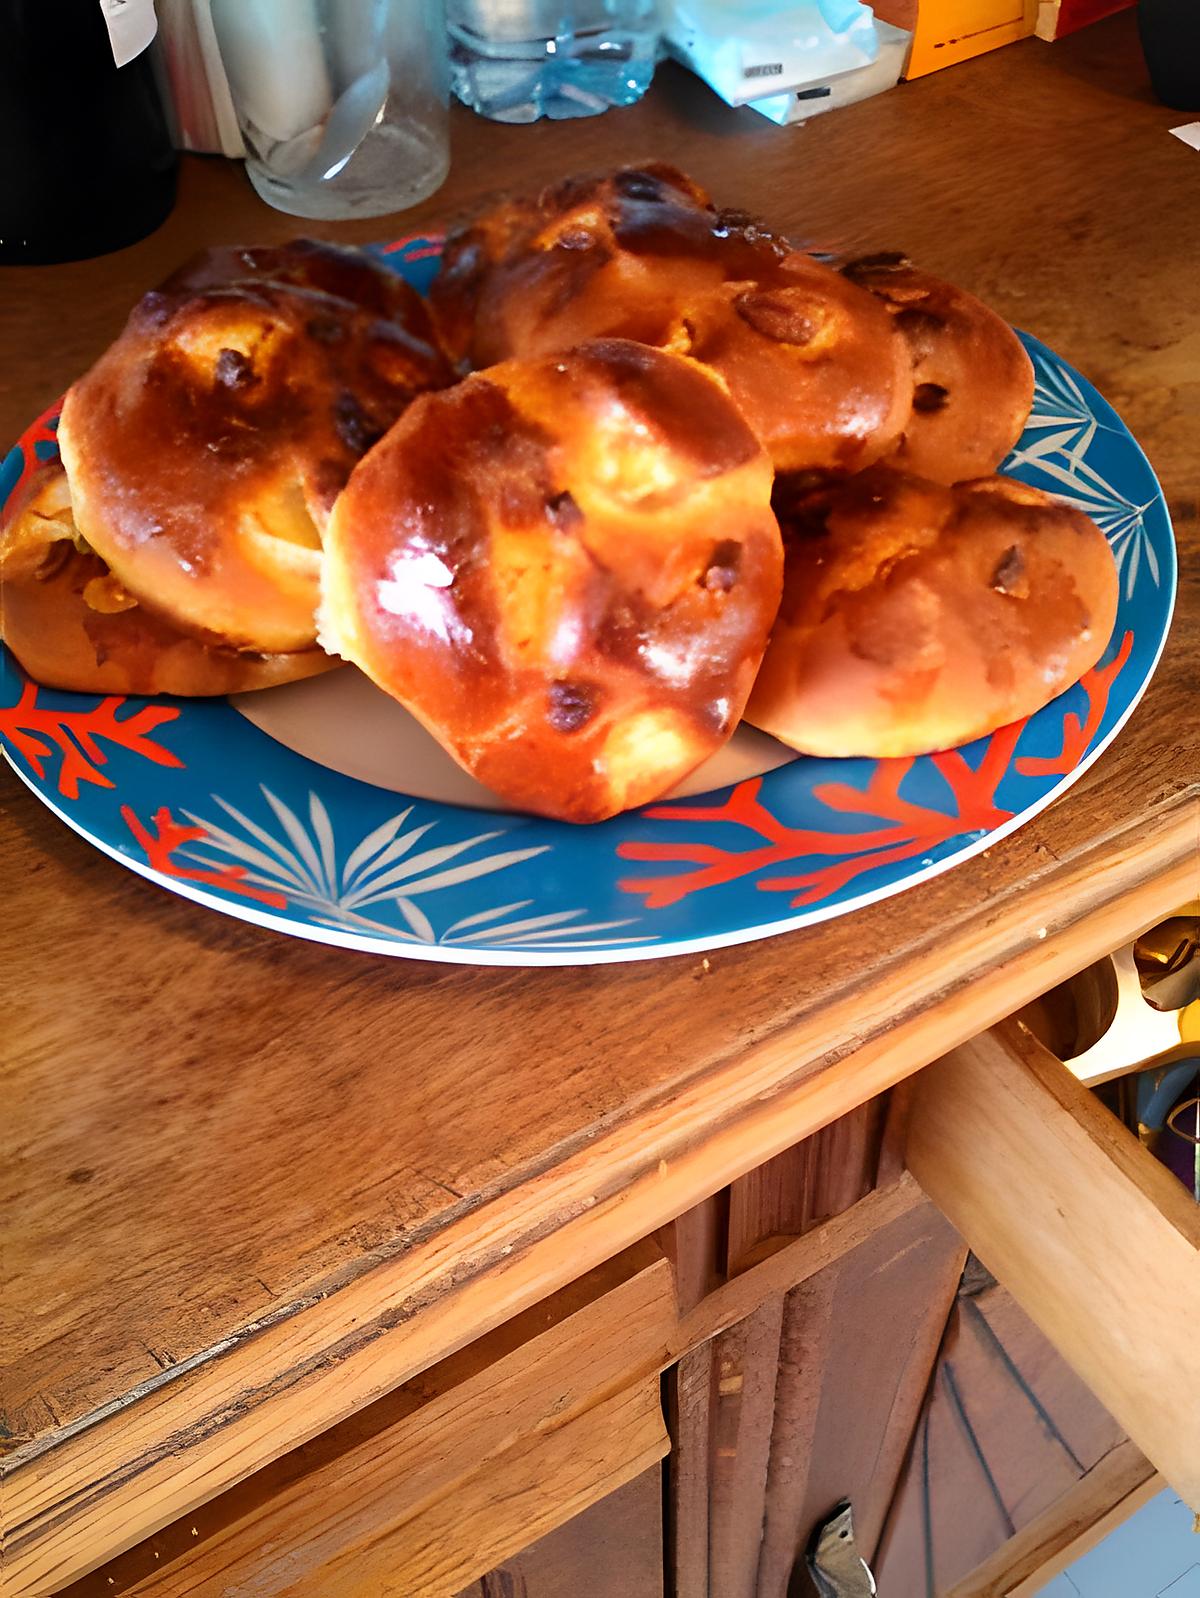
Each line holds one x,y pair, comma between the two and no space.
810,1398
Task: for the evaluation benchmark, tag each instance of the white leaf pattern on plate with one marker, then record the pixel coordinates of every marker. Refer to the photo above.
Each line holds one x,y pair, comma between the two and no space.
1059,403
380,869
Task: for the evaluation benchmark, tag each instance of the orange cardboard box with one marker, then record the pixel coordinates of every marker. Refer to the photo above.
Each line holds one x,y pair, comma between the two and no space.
947,31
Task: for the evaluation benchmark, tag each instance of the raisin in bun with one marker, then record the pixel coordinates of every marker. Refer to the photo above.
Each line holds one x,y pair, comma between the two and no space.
973,381
567,569
822,379
72,624
205,448
916,617
814,363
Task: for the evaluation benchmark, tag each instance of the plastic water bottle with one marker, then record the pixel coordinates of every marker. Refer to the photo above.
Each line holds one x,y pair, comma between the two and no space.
517,60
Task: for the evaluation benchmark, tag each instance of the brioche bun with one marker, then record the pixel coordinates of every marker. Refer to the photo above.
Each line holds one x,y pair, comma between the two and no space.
72,625
917,617
567,569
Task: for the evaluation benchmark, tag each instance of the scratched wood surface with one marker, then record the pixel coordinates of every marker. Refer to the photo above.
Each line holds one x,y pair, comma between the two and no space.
249,1184
425,1479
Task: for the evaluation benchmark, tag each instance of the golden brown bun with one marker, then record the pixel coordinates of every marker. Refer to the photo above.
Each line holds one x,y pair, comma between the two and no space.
72,625
973,380
206,446
554,243
336,269
917,617
813,362
567,568
819,375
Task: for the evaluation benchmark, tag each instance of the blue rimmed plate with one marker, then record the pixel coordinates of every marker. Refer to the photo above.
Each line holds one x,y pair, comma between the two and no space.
322,811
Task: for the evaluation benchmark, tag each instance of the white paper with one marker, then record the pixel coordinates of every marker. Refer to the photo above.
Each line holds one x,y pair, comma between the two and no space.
804,101
131,26
1189,133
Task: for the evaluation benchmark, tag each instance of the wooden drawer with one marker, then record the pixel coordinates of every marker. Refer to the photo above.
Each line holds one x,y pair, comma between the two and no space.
1090,1234
426,1490
437,1483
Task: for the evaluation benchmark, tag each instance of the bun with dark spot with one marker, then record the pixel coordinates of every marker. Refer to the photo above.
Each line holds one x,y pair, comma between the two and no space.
566,568
206,446
813,362
972,380
917,617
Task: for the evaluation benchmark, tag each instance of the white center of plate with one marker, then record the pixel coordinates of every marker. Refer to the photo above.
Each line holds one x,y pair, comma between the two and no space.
341,720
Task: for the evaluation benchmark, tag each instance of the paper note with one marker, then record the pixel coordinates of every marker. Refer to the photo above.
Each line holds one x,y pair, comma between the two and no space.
1189,133
131,26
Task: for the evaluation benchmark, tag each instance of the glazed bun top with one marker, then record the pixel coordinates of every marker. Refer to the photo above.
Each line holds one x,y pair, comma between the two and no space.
205,448
813,362
511,281
972,380
567,568
917,617
339,270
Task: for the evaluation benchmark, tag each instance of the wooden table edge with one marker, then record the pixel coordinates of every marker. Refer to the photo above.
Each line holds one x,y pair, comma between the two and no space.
85,1494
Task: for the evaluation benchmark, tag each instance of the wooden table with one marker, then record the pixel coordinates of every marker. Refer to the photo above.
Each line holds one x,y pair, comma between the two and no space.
250,1183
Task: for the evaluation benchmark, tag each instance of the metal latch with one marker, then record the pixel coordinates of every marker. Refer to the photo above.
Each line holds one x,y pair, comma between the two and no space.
837,1568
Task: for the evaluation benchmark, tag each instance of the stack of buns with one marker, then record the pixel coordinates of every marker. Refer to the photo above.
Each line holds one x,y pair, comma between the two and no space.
807,357
687,474
176,548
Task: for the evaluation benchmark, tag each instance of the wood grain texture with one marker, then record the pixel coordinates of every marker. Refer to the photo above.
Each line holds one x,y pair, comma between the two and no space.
1006,1434
806,1184
250,1185
357,1482
612,1550
83,1494
770,1203
745,1359
717,1451
336,1507
891,1164
695,1244
805,1342
689,1388
858,1346
1103,1249
783,1267
499,1510
537,1486
771,1417
767,1385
